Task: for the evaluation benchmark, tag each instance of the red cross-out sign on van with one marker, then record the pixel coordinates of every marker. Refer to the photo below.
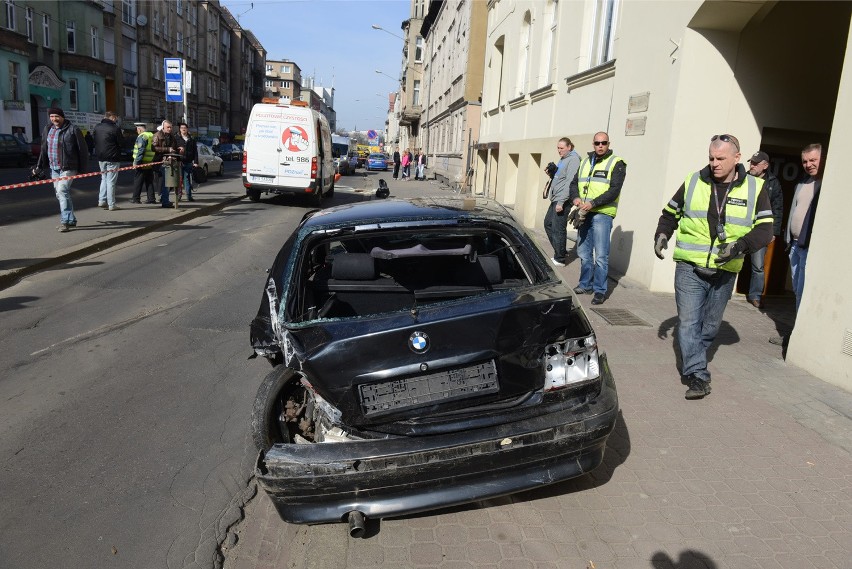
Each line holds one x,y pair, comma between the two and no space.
294,138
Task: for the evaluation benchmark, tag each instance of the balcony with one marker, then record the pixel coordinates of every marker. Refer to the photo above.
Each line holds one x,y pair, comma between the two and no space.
410,115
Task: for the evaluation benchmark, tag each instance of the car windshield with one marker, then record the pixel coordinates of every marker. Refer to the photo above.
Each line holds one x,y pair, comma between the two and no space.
381,272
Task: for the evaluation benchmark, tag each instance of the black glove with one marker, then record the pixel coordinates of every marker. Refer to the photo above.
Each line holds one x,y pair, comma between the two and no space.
728,251
661,243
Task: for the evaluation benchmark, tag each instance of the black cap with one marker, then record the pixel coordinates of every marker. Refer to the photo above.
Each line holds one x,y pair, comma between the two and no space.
759,157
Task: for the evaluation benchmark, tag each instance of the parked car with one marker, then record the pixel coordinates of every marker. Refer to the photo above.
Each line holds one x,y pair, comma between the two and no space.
208,162
13,152
228,151
353,161
426,355
377,161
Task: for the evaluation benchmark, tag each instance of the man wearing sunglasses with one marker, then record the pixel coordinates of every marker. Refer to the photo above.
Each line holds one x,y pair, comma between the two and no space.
719,213
759,167
596,189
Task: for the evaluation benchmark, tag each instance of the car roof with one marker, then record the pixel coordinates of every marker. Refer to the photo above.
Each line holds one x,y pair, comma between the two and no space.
384,212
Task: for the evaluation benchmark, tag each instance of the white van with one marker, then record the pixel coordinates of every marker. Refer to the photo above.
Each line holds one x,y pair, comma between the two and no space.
287,151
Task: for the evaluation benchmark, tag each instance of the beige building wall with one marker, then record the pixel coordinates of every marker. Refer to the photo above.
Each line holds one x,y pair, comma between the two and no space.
680,72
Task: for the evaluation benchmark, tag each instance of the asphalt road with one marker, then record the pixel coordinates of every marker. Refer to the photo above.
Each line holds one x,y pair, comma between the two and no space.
125,392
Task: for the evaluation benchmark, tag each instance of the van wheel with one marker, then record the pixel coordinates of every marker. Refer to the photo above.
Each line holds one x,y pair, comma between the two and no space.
254,195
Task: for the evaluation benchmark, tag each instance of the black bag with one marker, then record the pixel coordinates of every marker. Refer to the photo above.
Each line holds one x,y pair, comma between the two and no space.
37,174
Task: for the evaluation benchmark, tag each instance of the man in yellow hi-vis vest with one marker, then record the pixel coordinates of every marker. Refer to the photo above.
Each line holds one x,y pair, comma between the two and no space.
720,213
596,189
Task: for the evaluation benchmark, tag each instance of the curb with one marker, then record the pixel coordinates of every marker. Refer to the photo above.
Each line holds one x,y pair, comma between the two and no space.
13,276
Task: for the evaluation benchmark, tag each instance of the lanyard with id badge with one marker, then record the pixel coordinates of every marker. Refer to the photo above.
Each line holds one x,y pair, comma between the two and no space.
720,207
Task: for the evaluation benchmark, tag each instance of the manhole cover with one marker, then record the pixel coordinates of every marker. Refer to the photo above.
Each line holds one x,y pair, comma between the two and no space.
619,317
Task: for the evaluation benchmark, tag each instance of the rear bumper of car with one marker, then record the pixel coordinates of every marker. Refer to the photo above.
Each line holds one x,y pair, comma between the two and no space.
318,483
273,189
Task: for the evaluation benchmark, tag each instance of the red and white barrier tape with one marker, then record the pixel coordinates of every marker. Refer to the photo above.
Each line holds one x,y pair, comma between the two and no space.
86,175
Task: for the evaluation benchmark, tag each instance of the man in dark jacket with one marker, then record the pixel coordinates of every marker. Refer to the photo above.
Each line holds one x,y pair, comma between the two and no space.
396,163
759,167
189,157
164,143
64,152
108,139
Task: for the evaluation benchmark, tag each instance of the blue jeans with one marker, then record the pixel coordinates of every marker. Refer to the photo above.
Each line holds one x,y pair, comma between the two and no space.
798,260
63,194
555,226
186,172
593,250
755,288
108,181
701,302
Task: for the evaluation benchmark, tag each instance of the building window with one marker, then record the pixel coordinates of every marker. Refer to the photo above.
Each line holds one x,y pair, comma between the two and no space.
96,97
156,19
418,50
71,33
269,68
180,42
166,25
128,12
286,69
45,28
157,68
96,43
270,83
179,7
14,81
10,15
286,84
545,74
524,54
30,27
72,93
606,16
416,95
193,14
193,48
130,101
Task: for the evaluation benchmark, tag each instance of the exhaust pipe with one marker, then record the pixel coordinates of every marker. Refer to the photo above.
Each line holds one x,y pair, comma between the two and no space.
356,524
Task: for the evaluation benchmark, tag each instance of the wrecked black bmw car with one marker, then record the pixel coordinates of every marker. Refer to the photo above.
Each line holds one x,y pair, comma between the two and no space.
425,355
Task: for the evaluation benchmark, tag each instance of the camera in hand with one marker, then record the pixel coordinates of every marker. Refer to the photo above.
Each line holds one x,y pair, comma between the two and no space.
550,169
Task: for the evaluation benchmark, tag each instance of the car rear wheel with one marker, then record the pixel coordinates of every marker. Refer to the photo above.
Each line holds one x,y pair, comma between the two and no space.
254,195
221,171
206,173
269,413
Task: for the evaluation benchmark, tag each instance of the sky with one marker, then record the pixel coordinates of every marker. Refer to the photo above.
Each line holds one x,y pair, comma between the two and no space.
334,41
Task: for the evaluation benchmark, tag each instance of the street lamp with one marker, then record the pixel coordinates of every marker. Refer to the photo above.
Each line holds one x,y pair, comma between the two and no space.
377,27
386,75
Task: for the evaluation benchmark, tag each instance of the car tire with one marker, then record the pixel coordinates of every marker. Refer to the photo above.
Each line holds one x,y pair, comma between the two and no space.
206,173
221,171
266,428
254,195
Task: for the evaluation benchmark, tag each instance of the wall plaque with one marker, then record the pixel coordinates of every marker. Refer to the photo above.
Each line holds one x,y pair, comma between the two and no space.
635,126
638,103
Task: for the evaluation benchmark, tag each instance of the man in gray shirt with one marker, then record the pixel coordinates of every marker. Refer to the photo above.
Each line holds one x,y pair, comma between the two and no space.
556,218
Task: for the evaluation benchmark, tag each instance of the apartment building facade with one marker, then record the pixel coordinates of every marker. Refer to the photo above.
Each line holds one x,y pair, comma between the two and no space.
411,95
93,56
283,79
662,78
454,34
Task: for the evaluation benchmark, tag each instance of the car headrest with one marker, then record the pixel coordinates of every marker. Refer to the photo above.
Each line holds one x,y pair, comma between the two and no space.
353,267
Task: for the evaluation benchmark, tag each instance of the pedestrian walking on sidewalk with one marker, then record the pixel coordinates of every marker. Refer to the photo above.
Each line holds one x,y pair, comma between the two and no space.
64,152
556,218
189,157
420,172
108,139
596,189
759,167
143,153
800,223
720,213
164,143
396,164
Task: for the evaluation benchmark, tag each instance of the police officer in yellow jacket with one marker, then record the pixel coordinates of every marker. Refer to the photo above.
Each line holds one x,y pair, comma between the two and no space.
596,189
720,213
143,153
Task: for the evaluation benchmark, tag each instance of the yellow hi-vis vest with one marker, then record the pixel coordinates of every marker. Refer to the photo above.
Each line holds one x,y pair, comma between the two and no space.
148,154
592,182
693,232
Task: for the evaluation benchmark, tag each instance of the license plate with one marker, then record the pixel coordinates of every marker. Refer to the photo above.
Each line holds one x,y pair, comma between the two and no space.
261,177
441,386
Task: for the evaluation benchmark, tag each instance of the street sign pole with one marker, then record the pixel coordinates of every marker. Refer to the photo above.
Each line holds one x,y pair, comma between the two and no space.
187,87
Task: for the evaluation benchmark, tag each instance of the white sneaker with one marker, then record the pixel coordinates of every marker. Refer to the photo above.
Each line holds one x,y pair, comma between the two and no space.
557,263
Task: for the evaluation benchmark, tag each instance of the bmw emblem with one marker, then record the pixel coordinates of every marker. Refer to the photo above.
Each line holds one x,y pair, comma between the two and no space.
418,342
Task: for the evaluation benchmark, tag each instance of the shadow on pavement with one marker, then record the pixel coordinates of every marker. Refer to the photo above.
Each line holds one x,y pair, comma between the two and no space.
726,336
16,302
688,559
